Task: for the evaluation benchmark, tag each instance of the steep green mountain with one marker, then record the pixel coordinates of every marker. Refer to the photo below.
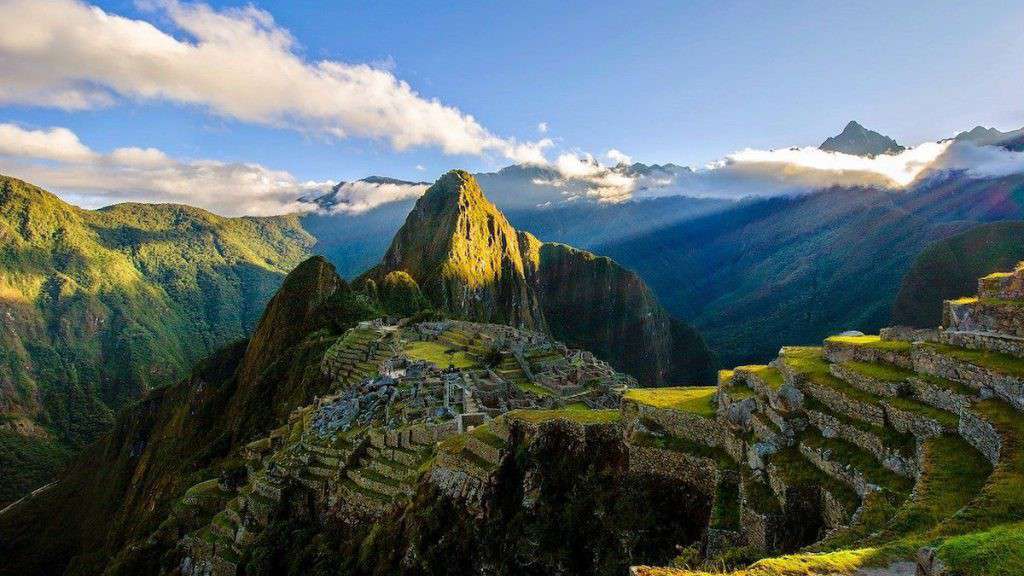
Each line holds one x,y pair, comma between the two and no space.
794,270
99,306
470,262
121,490
858,140
951,267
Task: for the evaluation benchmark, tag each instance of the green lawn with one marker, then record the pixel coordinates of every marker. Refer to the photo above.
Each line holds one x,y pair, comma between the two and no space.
438,354
995,361
581,416
699,400
875,342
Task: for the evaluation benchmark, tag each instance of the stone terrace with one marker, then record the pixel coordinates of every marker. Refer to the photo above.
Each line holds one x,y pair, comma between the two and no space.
906,439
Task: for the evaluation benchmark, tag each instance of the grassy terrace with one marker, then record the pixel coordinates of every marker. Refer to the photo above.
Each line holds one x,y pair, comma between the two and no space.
852,455
484,434
771,376
575,415
798,472
737,392
874,342
906,444
816,368
439,354
695,400
676,444
883,372
995,361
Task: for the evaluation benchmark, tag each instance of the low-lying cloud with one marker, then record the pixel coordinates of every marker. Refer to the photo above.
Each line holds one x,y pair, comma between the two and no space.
56,159
765,173
236,63
360,196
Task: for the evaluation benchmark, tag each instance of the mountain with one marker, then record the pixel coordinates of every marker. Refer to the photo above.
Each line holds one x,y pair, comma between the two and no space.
1012,140
332,444
126,486
858,140
470,262
794,270
97,307
951,267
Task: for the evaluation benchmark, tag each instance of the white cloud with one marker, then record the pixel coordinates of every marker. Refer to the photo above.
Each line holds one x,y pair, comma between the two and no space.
618,157
981,161
356,197
420,167
55,159
236,63
58,144
542,127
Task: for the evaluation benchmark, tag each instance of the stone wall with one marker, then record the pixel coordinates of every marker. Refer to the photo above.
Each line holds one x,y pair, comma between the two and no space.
843,404
984,341
908,334
906,422
841,472
699,472
939,396
863,382
707,431
1008,388
998,316
982,435
837,352
831,427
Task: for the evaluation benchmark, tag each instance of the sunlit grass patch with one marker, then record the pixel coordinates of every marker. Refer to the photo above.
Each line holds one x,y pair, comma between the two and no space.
699,400
439,354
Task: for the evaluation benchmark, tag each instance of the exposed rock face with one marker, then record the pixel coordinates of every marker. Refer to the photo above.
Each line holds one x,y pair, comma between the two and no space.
465,255
858,140
469,261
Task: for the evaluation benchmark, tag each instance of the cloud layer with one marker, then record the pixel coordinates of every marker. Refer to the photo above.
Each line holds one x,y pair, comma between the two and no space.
763,173
56,159
236,63
359,196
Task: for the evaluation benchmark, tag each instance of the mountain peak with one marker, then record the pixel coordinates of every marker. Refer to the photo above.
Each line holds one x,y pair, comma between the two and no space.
858,140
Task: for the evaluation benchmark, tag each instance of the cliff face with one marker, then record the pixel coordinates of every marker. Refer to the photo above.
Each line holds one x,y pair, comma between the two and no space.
593,303
470,262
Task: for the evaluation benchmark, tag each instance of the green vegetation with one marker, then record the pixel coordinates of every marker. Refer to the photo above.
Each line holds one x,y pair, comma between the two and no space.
439,354
994,552
699,400
950,268
579,416
878,371
871,342
769,374
995,361
106,304
527,386
28,463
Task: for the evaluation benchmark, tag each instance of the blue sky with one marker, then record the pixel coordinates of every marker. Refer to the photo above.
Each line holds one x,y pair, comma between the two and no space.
660,81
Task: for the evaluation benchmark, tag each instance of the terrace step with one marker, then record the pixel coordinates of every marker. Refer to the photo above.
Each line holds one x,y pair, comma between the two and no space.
870,349
994,315
990,373
853,466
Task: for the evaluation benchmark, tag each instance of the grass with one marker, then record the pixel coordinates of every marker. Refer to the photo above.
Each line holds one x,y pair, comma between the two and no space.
904,443
483,434
580,416
997,362
695,400
739,393
883,372
438,354
852,455
995,552
874,342
675,444
798,472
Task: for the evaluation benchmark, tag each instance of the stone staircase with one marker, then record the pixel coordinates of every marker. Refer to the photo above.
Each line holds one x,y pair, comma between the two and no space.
901,439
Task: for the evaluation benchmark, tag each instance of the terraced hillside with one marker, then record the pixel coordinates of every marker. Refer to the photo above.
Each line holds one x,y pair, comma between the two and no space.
883,455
